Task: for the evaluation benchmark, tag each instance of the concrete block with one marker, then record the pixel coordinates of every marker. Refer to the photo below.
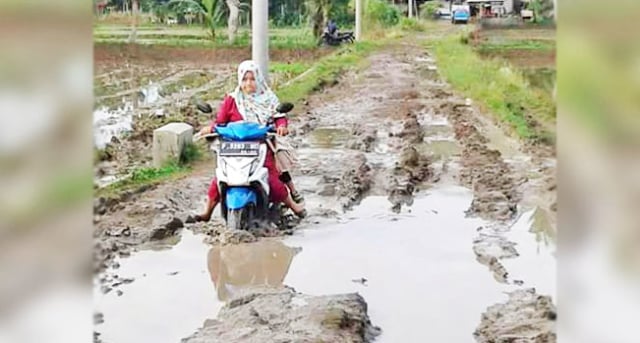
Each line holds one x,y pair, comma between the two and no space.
169,141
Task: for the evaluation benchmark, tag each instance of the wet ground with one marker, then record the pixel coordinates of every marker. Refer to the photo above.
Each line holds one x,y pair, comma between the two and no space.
417,203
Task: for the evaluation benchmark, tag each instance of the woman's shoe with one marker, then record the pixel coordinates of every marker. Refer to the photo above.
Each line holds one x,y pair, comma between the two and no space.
301,214
199,218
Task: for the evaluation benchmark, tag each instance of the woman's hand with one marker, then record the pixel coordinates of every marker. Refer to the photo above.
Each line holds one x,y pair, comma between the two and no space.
205,130
282,131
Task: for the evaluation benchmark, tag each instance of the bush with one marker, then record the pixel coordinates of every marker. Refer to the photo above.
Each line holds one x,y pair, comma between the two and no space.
190,154
411,24
382,13
429,9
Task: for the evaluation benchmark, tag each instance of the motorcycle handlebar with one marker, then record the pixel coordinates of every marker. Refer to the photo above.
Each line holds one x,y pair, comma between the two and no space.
271,133
198,136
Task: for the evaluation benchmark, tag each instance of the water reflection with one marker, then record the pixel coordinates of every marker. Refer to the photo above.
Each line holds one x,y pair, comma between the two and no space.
233,267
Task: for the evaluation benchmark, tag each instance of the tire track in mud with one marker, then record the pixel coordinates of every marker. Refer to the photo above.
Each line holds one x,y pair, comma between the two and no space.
379,157
494,185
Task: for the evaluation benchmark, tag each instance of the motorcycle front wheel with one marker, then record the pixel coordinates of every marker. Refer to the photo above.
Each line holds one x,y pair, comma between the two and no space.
240,219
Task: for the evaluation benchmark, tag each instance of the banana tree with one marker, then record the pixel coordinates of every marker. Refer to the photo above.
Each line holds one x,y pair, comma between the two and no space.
210,10
134,21
235,7
542,9
318,13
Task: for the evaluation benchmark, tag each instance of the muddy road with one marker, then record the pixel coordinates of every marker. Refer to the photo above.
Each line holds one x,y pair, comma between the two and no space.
426,223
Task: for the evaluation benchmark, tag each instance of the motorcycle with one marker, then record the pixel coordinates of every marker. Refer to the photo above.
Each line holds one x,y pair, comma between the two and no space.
339,38
241,149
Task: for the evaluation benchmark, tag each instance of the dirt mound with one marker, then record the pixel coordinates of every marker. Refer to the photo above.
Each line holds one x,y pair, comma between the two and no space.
412,167
283,315
526,317
364,138
355,183
490,247
494,184
411,170
215,232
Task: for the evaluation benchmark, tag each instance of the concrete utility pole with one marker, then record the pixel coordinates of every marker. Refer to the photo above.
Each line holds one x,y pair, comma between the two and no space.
358,20
260,35
410,8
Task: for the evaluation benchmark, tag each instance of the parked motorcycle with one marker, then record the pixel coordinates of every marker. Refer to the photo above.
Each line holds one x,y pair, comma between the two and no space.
338,38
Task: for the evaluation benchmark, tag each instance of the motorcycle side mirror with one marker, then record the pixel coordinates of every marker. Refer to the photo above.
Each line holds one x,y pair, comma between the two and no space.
204,107
284,107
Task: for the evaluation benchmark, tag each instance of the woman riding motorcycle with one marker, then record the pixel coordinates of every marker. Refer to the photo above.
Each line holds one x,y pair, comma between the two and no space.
254,101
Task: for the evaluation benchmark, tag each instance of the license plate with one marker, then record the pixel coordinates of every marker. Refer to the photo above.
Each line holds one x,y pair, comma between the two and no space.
239,149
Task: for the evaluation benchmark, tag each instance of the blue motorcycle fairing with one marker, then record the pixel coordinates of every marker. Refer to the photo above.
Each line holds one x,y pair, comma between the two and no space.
239,197
242,131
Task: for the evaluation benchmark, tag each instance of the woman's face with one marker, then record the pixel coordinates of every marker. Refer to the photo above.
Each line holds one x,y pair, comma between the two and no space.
248,83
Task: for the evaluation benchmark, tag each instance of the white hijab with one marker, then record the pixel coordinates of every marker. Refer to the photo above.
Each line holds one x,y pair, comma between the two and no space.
260,106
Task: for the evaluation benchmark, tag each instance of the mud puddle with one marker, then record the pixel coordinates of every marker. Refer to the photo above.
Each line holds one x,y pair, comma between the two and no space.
328,137
421,256
534,240
412,268
111,123
164,295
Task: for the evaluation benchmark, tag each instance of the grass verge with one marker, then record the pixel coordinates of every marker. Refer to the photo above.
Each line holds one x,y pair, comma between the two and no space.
498,87
326,71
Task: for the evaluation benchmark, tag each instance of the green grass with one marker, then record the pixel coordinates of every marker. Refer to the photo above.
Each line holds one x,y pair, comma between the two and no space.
191,153
141,177
411,24
295,68
290,38
326,71
498,87
241,42
529,45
